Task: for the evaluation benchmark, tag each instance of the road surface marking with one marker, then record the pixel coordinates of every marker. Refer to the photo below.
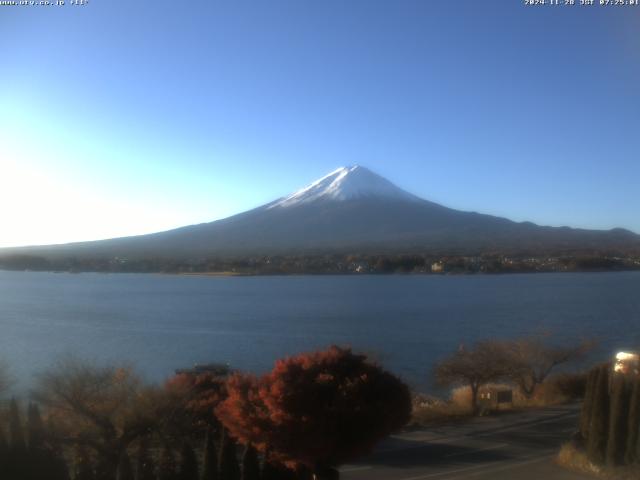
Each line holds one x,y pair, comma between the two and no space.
355,469
453,439
424,444
481,468
505,467
432,438
448,472
518,427
493,447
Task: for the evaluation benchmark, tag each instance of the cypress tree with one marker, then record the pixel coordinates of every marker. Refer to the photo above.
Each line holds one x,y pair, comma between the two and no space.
16,434
35,428
45,456
228,459
106,466
125,470
188,463
304,473
54,465
167,467
637,450
41,462
18,464
587,404
210,458
4,451
145,469
58,468
597,444
618,420
287,473
276,471
250,464
270,471
633,425
83,468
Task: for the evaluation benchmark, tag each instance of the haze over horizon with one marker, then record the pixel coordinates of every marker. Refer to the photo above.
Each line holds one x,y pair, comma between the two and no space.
193,114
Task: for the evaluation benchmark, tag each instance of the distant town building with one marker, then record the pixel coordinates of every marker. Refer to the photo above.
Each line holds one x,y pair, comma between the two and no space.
492,398
437,267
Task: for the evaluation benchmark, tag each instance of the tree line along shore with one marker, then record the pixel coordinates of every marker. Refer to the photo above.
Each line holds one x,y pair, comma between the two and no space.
338,263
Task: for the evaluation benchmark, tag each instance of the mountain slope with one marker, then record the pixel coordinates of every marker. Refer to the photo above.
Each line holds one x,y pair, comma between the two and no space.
351,209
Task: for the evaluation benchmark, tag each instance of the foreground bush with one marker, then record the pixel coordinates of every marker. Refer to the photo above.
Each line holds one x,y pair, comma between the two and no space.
316,410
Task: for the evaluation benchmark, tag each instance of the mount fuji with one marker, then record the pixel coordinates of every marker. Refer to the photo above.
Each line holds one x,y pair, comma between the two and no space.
351,209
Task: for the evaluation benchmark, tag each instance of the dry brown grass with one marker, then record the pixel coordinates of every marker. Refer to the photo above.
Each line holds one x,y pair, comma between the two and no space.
546,395
558,389
428,411
573,458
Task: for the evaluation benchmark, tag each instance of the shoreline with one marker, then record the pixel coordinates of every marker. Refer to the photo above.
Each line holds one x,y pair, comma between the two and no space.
325,274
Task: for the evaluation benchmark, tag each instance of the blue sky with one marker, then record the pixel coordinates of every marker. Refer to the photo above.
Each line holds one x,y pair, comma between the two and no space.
121,118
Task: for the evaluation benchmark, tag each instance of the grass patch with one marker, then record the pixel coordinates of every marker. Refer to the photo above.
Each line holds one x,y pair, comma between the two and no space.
573,458
429,411
439,412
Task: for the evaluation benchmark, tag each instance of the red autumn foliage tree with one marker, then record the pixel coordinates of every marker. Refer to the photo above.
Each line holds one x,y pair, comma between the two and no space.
244,413
318,409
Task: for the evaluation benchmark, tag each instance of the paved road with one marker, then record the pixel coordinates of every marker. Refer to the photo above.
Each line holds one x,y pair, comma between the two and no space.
518,446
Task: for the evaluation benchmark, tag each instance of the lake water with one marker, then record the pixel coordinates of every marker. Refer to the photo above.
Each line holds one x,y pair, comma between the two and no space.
163,322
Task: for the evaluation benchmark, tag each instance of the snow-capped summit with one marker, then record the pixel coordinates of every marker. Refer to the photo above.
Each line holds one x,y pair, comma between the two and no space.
345,183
